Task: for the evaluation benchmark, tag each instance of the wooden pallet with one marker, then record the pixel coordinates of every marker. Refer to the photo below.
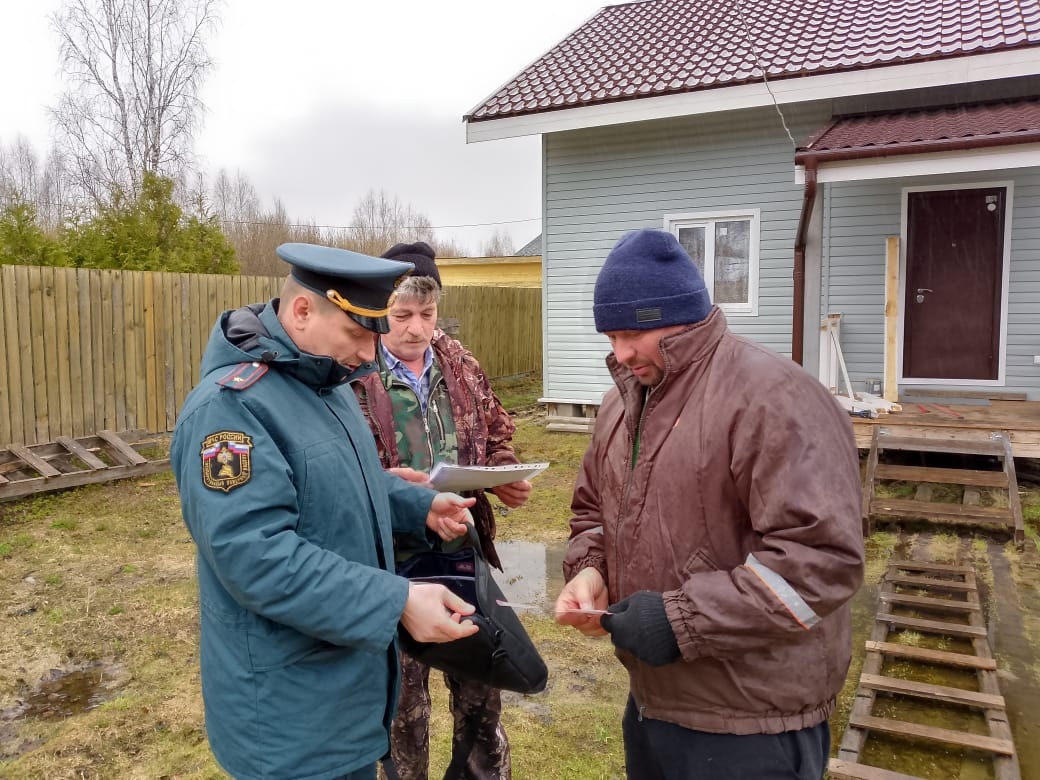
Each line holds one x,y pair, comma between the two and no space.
68,462
996,444
949,592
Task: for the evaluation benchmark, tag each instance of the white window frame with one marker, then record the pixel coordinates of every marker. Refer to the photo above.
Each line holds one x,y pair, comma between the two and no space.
707,220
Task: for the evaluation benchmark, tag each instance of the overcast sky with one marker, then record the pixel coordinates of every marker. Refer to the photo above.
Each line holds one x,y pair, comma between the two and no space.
318,101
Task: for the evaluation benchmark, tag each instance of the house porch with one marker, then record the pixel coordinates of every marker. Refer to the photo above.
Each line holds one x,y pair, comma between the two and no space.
925,418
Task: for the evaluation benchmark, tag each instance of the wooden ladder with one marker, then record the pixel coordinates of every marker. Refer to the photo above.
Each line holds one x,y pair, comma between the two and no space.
997,444
67,462
949,591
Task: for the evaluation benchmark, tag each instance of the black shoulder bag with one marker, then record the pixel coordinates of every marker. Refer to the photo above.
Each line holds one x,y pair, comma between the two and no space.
500,654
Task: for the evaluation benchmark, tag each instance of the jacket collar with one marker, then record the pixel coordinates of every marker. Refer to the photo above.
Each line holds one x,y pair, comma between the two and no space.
681,350
316,371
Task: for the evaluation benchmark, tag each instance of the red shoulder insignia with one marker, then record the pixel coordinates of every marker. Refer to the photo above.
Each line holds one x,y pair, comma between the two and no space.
243,375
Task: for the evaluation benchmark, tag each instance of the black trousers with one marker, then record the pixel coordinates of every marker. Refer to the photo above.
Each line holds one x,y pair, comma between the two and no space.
365,773
655,750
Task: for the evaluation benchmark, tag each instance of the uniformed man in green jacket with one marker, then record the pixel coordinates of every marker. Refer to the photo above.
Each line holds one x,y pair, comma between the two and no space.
283,492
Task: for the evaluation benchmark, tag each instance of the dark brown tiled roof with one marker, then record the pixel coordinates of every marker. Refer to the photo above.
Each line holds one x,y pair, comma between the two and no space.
926,130
664,47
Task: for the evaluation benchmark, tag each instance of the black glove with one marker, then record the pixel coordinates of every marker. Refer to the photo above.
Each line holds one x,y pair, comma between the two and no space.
639,625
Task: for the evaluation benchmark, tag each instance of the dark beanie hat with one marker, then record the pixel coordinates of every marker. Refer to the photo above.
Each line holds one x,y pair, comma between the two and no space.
420,254
648,281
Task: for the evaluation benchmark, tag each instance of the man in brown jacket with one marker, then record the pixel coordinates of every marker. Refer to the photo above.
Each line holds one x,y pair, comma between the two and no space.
716,517
430,402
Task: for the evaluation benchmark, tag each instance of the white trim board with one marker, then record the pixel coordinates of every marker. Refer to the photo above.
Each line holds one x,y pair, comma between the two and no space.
866,81
994,158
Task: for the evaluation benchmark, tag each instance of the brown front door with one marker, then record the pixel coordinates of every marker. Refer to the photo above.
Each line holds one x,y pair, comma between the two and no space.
954,267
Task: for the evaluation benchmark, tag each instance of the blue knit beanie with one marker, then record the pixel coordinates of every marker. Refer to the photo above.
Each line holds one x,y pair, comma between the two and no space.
648,281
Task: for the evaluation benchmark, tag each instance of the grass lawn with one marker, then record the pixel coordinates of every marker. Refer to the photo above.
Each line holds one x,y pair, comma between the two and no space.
101,579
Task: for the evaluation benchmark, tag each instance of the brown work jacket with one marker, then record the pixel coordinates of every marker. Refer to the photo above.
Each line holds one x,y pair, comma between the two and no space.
743,509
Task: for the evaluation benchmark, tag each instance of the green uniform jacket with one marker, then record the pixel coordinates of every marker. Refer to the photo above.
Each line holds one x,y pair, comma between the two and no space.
283,492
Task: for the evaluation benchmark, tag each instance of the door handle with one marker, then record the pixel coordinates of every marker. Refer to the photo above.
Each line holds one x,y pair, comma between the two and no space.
924,290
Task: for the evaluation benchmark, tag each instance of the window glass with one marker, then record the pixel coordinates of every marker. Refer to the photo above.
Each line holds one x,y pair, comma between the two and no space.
692,240
732,261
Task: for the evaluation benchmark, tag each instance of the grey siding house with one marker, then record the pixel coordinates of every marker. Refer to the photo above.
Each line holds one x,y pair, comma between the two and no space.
874,165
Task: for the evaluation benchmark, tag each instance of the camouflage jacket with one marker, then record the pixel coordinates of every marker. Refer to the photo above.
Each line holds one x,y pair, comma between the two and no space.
483,428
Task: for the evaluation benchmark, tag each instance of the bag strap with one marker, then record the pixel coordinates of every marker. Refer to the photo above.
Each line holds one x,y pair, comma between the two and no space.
474,539
390,769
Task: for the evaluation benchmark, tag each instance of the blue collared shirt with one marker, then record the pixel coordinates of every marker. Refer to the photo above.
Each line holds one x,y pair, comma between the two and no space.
419,384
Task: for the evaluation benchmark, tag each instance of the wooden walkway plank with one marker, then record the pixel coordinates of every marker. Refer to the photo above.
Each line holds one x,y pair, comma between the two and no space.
123,451
975,477
959,446
945,511
848,770
929,603
948,568
927,655
81,452
34,462
941,693
905,728
931,626
929,583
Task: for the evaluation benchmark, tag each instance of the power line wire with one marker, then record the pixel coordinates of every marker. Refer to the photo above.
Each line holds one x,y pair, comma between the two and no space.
304,225
758,62
360,227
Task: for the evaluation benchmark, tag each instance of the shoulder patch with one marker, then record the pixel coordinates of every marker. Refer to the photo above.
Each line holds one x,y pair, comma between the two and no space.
226,461
243,375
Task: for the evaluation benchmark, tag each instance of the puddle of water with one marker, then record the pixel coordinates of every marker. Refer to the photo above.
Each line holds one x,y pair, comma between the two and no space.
532,573
60,694
1014,619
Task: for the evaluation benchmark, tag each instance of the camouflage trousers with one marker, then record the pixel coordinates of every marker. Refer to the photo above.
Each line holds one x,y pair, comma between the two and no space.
477,712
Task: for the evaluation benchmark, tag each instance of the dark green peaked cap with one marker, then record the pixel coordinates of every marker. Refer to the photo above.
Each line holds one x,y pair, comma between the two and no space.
359,284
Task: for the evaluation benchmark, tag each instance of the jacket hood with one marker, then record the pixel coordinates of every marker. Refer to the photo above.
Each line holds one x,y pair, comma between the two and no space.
254,334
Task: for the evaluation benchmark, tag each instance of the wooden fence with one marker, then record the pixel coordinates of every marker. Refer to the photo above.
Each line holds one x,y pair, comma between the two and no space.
86,350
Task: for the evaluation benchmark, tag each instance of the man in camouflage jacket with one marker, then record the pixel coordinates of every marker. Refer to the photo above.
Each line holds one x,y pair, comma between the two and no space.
432,402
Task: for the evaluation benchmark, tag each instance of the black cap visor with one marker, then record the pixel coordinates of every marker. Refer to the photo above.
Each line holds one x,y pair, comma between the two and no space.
366,305
375,324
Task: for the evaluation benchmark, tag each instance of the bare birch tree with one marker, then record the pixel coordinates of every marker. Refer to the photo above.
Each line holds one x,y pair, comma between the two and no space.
498,245
381,220
19,171
25,179
134,69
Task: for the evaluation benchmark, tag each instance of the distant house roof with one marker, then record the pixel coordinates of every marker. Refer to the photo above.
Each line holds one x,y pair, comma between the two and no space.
532,248
667,47
926,130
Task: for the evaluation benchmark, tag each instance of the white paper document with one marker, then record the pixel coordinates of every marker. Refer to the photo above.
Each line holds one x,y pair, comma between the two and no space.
453,479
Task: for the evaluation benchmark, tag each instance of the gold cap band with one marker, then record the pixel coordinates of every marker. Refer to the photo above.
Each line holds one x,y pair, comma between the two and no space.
351,308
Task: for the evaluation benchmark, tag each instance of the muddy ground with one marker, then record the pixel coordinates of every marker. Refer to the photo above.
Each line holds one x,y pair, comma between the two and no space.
98,619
